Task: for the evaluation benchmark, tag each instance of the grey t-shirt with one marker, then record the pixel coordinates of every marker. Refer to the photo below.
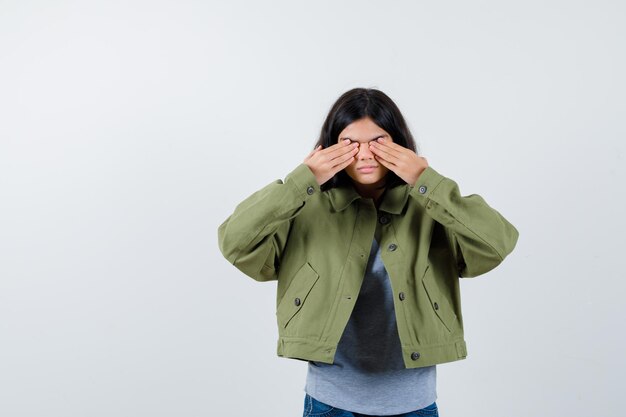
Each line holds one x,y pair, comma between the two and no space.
368,375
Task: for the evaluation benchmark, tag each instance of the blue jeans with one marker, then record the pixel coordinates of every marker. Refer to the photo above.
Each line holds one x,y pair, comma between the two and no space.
314,408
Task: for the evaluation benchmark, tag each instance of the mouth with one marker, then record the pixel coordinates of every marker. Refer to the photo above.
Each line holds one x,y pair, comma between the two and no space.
366,169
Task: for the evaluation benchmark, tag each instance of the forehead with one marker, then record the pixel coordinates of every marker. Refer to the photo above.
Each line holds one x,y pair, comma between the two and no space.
362,130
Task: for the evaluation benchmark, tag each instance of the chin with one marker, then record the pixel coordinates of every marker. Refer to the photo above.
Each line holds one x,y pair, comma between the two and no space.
369,180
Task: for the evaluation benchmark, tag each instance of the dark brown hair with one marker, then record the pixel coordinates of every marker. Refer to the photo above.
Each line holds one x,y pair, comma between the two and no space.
356,104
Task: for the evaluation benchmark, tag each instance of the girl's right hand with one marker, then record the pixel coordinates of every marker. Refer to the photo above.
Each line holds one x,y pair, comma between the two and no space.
325,163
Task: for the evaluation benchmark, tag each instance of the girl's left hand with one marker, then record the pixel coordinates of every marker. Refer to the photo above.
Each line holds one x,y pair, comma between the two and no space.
405,163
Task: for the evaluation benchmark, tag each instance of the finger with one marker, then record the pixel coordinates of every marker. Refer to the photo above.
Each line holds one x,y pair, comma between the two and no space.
389,147
344,164
341,159
384,153
346,143
387,163
340,149
392,147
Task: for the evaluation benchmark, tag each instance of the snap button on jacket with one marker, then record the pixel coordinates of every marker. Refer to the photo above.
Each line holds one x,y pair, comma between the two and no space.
315,245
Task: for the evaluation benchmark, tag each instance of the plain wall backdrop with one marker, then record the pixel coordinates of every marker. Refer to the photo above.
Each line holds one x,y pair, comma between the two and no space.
129,130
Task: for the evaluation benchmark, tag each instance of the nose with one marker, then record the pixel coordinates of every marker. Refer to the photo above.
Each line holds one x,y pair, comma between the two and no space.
364,151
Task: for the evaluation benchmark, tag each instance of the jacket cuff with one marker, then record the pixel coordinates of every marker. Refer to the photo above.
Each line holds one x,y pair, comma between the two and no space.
303,181
426,184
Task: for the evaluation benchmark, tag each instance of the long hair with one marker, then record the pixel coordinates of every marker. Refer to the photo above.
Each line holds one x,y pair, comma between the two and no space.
356,104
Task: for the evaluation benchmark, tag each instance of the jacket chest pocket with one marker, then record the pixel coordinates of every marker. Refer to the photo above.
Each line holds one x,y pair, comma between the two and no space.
439,302
296,294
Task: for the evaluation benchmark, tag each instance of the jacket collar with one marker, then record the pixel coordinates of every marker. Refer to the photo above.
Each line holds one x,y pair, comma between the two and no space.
393,199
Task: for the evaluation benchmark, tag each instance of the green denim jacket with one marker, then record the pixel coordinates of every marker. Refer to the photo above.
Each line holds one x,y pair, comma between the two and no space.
316,245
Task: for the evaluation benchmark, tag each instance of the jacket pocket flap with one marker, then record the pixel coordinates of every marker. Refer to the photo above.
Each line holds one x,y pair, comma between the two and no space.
296,294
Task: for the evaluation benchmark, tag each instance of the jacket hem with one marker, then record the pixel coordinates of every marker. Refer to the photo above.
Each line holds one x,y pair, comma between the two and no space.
305,349
434,354
312,350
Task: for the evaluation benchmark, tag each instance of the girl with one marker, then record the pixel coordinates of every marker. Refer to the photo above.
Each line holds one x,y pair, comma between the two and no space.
367,242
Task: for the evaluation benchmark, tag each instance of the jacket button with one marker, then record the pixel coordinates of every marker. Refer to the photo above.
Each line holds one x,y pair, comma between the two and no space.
296,301
392,247
383,219
436,306
401,296
310,190
415,356
422,189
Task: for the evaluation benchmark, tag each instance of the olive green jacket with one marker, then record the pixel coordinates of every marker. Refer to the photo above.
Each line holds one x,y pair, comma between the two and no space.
316,245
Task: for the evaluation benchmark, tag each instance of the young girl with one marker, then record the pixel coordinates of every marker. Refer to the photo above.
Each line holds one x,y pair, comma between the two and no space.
367,242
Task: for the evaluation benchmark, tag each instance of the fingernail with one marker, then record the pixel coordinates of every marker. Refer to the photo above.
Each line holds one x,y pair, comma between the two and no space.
346,140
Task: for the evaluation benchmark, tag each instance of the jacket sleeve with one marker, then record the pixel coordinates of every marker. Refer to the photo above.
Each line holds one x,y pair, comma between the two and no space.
480,236
254,236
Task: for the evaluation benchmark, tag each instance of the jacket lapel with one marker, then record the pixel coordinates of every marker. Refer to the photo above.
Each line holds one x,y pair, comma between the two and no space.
395,199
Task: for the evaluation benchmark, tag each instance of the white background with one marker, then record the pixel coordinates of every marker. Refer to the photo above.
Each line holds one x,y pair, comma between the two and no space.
129,130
